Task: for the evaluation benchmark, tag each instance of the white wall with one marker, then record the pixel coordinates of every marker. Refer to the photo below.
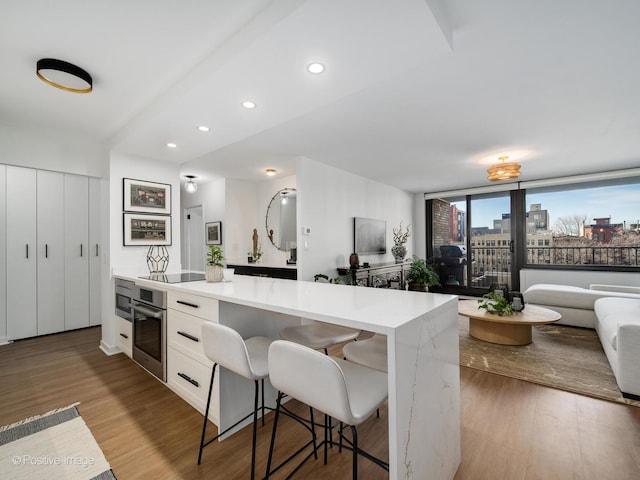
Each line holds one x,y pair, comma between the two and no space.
3,255
578,278
133,258
52,150
328,199
419,226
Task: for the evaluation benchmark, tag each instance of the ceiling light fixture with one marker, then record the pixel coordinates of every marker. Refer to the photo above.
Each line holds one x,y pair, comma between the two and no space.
190,186
284,199
64,75
270,172
249,105
204,128
315,67
504,170
172,145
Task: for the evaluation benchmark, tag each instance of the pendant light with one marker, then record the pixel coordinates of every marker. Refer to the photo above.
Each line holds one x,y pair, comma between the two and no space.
504,170
190,186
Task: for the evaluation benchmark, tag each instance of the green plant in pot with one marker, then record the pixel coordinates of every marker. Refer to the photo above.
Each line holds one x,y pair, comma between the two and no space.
213,270
422,275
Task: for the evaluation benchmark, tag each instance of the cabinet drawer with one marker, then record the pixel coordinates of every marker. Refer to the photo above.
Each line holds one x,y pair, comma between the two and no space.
124,332
184,333
202,307
190,380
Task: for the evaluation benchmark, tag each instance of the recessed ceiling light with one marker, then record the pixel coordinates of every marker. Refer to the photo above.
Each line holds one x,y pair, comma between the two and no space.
270,172
204,128
248,104
315,67
171,145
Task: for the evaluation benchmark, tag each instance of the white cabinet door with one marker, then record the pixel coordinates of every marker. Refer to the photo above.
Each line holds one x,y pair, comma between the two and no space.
77,251
21,253
50,252
96,250
3,254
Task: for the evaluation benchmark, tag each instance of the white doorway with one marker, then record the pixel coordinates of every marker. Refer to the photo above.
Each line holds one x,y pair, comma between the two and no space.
193,240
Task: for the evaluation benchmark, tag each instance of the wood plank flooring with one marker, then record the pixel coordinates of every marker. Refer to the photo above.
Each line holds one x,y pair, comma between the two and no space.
511,429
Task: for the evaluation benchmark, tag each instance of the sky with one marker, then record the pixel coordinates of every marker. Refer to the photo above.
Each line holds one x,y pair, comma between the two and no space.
621,202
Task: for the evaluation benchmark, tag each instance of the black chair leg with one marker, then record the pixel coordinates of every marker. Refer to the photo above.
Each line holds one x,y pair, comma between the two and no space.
354,432
206,413
313,435
273,435
255,433
262,389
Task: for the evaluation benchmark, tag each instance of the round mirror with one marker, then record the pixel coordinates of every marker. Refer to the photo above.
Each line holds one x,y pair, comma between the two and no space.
281,219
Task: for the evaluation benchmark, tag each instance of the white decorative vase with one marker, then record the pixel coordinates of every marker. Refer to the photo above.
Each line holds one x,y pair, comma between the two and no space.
399,251
213,274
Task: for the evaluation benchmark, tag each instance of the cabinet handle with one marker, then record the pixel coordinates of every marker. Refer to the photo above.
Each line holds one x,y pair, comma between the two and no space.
80,249
124,335
188,379
190,337
27,250
46,250
192,305
97,250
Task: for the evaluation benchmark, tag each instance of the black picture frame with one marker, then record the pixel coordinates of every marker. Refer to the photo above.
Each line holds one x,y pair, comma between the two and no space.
146,230
142,196
213,233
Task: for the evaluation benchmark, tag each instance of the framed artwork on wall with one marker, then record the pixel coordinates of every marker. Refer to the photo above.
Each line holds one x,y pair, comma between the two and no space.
213,231
146,197
141,229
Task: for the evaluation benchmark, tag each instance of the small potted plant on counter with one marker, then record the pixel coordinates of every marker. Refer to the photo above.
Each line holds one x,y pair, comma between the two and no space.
213,271
422,275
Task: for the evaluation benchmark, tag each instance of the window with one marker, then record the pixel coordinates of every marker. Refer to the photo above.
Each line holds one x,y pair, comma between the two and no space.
596,225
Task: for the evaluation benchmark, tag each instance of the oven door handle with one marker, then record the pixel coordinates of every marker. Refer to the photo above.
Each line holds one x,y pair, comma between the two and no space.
146,311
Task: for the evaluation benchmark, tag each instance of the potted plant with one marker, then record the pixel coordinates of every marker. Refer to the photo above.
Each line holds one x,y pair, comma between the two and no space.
422,275
213,271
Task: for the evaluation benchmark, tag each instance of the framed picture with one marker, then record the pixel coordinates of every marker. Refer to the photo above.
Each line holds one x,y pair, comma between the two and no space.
146,229
146,197
214,233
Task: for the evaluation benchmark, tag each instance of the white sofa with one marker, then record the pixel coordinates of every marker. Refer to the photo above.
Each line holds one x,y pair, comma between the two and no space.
613,311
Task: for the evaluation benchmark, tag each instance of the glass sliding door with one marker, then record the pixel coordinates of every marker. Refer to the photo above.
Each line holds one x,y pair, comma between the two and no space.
471,242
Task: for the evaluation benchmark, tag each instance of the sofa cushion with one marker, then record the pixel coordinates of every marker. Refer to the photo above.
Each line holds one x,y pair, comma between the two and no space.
568,295
611,312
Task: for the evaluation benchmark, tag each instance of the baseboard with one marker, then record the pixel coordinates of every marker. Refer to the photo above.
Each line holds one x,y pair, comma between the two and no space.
109,350
5,341
631,396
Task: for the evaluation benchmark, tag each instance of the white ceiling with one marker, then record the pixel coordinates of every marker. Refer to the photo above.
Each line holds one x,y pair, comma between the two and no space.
419,94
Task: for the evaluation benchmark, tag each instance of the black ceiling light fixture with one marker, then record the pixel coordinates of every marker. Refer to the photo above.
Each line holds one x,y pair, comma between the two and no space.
64,75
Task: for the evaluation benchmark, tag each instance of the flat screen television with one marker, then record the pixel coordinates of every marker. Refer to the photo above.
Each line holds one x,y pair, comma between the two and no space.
369,236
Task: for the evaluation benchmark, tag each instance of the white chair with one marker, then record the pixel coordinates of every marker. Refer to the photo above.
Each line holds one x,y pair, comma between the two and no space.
371,352
319,335
340,389
247,358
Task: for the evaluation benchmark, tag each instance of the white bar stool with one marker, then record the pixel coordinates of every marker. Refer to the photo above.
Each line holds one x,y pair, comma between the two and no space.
247,358
319,335
340,389
371,352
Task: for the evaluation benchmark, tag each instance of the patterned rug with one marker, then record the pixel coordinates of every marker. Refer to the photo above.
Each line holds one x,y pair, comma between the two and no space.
562,357
56,445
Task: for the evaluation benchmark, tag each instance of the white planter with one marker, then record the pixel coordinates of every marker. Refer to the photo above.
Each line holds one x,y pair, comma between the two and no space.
213,274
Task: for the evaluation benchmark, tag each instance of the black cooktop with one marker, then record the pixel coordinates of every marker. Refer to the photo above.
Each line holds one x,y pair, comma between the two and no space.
176,277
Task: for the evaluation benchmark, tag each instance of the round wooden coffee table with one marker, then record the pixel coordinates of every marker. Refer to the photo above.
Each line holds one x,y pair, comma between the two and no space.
507,330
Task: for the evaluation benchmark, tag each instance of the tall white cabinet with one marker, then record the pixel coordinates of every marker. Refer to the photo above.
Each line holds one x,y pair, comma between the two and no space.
76,237
21,253
52,252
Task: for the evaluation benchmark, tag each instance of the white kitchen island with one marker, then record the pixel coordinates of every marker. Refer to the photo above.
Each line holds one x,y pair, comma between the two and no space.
422,346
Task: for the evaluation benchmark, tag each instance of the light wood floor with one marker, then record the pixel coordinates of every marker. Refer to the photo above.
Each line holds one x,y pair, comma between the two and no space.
510,429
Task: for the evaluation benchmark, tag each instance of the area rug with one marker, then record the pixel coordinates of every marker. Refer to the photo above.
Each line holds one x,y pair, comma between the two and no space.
57,444
562,357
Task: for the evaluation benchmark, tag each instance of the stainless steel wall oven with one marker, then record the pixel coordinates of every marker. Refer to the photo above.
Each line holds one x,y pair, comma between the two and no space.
149,315
123,290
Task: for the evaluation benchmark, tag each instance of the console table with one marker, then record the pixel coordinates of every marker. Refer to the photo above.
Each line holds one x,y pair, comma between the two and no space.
382,275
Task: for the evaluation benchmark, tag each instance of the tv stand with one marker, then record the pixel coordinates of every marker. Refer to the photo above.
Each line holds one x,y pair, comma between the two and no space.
381,275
